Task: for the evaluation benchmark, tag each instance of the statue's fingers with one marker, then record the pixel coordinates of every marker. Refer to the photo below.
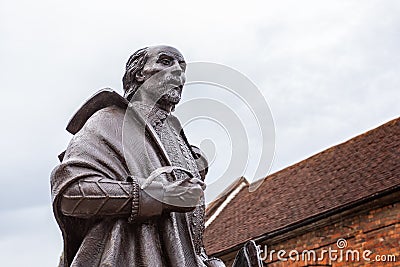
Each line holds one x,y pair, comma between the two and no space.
199,182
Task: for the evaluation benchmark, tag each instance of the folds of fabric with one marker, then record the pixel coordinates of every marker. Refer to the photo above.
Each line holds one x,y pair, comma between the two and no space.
100,150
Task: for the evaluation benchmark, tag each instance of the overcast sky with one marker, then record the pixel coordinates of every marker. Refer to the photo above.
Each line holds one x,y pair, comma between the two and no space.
328,69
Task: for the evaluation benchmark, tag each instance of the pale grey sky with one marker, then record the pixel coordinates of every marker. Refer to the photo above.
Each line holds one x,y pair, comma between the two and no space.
328,69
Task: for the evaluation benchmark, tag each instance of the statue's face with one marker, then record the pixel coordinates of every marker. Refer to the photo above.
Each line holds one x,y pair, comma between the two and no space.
163,75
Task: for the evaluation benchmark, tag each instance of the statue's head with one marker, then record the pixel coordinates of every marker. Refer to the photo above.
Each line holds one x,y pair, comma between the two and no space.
159,72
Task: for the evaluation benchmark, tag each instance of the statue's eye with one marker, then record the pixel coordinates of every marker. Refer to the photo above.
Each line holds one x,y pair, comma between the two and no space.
165,61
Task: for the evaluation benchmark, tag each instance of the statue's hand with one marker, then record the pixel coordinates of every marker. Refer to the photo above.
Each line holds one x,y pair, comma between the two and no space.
183,195
164,196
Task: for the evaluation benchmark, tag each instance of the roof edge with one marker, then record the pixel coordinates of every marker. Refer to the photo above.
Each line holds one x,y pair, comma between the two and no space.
229,197
333,147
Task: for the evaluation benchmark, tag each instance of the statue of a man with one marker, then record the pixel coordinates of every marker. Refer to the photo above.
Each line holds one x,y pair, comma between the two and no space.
129,188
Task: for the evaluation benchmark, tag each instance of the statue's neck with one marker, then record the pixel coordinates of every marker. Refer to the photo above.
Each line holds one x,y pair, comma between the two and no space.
161,104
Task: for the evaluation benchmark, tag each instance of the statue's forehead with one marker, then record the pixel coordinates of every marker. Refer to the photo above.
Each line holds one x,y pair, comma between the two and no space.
166,50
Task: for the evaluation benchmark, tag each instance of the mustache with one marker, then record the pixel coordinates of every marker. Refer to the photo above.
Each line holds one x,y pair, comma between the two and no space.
173,79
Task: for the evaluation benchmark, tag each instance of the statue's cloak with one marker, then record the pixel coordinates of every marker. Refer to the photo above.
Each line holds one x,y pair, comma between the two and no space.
106,143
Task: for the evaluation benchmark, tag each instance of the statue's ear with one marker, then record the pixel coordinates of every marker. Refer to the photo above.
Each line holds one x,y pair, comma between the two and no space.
139,76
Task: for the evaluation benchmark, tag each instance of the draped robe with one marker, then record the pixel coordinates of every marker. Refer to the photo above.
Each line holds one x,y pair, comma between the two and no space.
116,144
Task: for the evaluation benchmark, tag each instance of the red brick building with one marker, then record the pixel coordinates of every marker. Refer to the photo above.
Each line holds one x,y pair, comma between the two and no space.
349,192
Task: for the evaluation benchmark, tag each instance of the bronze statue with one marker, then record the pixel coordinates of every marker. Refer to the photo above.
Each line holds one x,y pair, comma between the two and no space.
129,188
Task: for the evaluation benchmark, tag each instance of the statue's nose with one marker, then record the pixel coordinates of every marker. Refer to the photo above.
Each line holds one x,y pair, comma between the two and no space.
178,72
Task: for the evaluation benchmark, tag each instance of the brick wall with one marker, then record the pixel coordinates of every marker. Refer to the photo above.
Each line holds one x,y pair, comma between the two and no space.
377,230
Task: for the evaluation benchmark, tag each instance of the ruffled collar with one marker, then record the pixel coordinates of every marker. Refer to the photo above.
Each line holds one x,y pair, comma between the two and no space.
153,115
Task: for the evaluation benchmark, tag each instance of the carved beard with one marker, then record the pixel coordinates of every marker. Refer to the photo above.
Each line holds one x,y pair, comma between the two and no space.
172,97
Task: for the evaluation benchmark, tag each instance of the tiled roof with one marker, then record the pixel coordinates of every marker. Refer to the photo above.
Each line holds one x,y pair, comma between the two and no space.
357,169
222,197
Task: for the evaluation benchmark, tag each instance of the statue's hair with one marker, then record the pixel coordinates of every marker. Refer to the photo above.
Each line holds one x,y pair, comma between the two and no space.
135,64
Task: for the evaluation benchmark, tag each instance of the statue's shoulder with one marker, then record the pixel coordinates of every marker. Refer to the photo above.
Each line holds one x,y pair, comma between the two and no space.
101,100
